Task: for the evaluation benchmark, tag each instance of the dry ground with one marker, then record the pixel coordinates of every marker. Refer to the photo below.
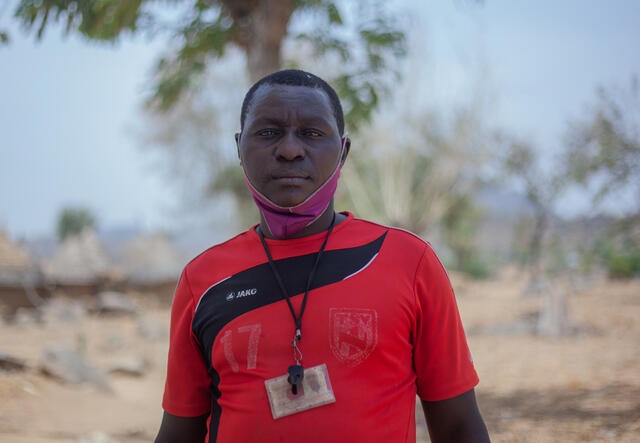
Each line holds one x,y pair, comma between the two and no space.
585,387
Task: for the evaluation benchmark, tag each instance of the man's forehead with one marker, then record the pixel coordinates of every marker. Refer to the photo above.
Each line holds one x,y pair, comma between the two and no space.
271,98
282,90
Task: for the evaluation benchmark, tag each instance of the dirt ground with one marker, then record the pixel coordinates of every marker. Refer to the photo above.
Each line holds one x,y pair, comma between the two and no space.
583,387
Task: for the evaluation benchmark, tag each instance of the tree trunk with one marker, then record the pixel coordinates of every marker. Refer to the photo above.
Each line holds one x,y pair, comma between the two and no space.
261,26
554,317
535,250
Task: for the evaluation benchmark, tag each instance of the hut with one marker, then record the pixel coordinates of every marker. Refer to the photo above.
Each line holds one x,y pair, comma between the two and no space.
151,264
21,283
81,266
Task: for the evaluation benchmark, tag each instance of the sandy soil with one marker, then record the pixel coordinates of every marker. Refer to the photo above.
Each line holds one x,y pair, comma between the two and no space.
584,387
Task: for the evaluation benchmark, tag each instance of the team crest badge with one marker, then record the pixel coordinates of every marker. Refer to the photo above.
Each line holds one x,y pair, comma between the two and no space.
354,334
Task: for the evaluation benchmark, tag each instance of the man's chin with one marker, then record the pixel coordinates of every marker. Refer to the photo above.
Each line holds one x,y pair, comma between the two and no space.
289,199
289,203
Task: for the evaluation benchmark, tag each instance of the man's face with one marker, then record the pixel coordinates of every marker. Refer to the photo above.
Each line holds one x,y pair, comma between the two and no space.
290,142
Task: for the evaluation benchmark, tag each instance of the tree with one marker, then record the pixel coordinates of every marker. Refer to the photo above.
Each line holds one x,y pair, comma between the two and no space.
542,189
542,186
603,150
361,43
603,154
356,42
416,165
458,227
73,221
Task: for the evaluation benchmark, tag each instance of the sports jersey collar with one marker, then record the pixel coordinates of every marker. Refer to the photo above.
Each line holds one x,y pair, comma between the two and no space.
306,239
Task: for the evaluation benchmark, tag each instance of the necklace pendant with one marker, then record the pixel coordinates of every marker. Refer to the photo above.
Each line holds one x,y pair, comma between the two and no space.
296,374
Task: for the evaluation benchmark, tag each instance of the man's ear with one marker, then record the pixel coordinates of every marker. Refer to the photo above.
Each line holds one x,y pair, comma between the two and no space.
346,143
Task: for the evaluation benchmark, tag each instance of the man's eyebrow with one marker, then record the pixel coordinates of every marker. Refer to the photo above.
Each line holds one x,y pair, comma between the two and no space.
311,120
315,119
266,121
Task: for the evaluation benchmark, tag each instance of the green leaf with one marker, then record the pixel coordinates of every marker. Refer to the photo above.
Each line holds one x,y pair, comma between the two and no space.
334,14
323,43
43,23
95,19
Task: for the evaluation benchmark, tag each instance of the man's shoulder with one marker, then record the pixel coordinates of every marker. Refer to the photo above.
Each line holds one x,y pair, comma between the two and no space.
397,235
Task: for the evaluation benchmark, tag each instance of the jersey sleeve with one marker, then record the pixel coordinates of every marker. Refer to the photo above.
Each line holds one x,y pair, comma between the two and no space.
442,360
186,392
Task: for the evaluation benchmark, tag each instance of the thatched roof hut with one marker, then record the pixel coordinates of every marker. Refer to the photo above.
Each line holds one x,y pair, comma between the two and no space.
16,266
80,260
151,259
20,280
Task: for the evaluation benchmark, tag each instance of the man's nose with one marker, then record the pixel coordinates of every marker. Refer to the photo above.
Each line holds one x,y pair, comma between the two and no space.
290,147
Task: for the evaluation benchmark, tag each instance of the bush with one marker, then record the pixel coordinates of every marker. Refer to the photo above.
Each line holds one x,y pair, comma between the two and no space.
458,228
624,265
618,249
475,266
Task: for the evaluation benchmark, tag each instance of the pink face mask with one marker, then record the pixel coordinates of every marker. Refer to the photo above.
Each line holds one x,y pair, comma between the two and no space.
286,221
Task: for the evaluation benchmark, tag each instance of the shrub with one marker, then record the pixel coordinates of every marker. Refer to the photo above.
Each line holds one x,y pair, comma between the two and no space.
624,265
475,267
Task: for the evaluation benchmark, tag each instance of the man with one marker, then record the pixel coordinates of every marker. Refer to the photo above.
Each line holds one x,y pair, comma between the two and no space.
313,326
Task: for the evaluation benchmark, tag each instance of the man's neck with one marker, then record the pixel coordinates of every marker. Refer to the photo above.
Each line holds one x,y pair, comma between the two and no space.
321,224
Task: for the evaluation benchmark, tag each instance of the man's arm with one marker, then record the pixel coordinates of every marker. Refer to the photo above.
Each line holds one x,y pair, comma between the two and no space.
456,419
176,429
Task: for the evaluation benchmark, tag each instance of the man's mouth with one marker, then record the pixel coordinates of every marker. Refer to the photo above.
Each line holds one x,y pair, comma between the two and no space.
290,177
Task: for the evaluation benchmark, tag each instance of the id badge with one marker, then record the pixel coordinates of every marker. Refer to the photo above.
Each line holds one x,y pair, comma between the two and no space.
315,391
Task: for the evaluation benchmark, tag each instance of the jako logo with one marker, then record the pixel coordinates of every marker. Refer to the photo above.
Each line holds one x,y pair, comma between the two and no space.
244,293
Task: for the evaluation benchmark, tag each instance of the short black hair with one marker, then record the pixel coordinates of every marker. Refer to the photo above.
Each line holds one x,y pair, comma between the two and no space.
295,77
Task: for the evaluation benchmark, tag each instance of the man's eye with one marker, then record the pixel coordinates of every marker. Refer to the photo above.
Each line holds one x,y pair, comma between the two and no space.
312,133
267,132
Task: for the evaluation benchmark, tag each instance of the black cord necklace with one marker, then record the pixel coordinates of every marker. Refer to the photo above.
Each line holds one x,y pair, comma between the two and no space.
296,372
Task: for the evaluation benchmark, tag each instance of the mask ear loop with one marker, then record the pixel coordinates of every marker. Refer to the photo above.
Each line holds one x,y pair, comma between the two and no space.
237,138
341,157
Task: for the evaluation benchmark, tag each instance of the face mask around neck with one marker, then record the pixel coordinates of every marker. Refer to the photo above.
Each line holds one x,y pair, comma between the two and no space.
286,221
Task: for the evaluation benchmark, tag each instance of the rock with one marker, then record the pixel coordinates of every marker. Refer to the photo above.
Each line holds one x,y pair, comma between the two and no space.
62,310
68,366
151,330
26,317
97,437
131,366
115,303
112,342
9,363
29,388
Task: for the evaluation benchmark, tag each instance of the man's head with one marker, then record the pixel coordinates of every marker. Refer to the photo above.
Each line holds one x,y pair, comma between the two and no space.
295,77
290,143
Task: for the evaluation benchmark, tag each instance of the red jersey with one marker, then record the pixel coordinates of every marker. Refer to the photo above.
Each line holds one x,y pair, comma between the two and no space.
381,314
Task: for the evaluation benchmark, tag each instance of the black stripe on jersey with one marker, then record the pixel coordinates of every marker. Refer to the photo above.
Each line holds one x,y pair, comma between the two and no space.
216,410
256,287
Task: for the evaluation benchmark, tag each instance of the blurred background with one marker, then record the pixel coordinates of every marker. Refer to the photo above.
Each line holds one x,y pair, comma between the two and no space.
505,133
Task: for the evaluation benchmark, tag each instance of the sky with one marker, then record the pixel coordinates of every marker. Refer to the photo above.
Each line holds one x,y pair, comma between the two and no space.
66,111
69,108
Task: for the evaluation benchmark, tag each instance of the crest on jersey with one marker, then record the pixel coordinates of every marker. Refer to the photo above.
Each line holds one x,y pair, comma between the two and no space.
354,334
